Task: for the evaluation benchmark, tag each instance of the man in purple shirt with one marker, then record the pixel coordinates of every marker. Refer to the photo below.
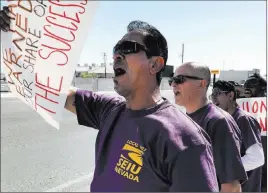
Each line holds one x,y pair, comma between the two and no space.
190,83
224,96
256,86
144,143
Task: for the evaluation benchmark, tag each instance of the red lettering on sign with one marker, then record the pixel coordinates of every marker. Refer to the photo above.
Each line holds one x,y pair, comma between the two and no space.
58,37
245,106
255,107
54,51
64,42
85,3
63,15
59,25
47,88
263,124
263,107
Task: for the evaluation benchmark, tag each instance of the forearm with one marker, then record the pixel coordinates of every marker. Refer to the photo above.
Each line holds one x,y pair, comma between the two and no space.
234,186
70,100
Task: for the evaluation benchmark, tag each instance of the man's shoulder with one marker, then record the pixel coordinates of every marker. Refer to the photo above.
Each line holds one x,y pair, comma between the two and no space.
171,124
244,115
105,97
218,115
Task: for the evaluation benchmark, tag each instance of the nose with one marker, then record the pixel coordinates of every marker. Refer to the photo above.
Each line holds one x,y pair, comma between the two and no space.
173,84
118,56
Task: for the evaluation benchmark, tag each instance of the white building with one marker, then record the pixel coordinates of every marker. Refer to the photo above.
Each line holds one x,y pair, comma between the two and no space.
238,76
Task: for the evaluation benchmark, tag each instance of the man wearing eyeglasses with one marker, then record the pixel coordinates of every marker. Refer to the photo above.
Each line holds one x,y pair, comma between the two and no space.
144,143
224,96
190,84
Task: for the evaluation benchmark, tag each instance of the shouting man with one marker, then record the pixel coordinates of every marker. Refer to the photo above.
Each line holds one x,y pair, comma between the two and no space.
144,143
190,84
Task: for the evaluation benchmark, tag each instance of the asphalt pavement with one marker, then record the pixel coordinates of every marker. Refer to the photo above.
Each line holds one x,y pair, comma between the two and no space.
37,157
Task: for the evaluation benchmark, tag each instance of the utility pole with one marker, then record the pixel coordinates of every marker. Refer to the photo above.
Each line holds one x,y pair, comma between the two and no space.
182,53
104,59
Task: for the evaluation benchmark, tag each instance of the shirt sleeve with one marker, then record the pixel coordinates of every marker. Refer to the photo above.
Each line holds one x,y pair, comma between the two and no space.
253,158
226,151
193,170
250,130
92,108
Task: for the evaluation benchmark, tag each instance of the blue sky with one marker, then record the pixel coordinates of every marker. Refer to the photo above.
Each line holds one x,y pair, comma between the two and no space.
222,34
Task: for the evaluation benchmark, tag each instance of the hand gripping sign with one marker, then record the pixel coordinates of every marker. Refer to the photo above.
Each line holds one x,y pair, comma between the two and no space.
40,52
258,108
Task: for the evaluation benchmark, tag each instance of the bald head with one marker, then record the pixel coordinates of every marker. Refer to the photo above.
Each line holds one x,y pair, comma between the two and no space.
196,69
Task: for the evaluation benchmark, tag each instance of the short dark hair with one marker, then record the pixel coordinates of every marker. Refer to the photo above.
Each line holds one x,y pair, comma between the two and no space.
153,40
257,78
225,86
259,81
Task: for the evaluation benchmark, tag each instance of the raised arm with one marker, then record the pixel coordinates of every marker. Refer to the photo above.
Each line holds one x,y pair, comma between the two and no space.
70,100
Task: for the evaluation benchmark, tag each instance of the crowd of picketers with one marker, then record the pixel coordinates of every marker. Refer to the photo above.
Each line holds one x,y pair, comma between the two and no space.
255,86
146,144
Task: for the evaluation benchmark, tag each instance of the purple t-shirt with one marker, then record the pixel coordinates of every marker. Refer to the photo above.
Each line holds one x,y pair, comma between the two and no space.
250,130
155,149
225,137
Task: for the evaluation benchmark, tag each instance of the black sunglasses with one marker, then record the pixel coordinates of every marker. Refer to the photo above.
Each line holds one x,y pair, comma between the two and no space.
182,78
129,47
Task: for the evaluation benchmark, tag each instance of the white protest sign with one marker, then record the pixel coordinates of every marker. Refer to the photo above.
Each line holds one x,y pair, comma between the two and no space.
257,107
40,52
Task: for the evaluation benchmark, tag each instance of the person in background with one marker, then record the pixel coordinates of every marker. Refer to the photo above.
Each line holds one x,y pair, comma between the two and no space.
144,143
190,84
224,96
256,86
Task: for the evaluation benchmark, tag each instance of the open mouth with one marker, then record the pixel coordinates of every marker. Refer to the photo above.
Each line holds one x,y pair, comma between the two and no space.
248,92
119,72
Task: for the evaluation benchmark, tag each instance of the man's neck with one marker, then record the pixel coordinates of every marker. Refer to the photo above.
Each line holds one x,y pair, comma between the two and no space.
143,99
231,108
196,104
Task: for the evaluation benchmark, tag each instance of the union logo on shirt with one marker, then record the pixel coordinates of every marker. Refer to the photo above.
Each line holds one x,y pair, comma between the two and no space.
130,162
